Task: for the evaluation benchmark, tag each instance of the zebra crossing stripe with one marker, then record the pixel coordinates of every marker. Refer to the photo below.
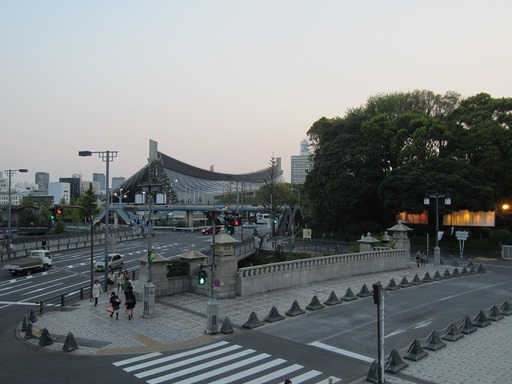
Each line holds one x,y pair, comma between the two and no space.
220,371
175,357
248,372
136,359
305,376
191,360
199,367
276,374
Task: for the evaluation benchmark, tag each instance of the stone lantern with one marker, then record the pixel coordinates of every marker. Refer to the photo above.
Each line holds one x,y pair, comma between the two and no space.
400,237
366,242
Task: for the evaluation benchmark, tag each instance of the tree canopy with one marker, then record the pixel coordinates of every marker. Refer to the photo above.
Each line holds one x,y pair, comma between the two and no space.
381,158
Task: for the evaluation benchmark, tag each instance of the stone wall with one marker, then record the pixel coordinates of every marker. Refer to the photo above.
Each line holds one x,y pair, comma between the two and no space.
269,277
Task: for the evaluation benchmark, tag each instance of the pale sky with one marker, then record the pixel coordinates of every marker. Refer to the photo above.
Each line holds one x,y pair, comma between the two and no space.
228,83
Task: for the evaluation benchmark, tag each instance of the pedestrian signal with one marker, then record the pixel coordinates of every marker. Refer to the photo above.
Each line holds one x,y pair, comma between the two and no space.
201,277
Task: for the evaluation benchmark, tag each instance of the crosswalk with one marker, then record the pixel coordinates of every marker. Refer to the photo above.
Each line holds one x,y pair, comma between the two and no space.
220,363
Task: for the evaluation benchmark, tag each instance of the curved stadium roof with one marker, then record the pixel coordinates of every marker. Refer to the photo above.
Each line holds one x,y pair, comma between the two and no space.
193,184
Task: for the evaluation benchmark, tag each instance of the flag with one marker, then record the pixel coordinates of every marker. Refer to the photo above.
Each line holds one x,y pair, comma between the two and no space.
151,257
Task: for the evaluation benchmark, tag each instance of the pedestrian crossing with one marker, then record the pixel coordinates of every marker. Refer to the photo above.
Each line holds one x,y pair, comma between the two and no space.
220,363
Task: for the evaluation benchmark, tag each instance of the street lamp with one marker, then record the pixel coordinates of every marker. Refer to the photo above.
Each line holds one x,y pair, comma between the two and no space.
106,157
11,172
149,287
447,202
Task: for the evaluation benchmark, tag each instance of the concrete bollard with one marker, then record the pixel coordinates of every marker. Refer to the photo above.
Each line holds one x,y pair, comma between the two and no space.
32,315
332,300
456,273
295,310
434,342
227,327
373,373
467,326
253,322
437,276
416,280
415,351
315,305
70,343
29,334
392,286
506,308
273,316
427,279
24,323
495,314
349,295
364,292
45,338
395,363
446,274
404,283
481,320
452,334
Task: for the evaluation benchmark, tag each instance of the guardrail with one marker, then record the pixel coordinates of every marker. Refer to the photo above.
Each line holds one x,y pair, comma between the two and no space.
59,243
76,294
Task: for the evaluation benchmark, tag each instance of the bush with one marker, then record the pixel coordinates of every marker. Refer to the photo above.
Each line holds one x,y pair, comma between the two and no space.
177,268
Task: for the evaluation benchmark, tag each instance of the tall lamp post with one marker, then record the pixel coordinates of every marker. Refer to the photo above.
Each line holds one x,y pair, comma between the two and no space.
447,202
11,172
106,157
149,287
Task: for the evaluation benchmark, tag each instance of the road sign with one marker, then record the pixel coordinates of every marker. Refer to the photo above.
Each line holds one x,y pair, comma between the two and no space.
216,283
461,235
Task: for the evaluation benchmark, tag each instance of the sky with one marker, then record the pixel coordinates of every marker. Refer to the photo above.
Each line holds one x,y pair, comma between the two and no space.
223,83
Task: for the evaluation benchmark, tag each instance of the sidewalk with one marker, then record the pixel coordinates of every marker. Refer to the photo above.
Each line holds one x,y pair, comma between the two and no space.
180,321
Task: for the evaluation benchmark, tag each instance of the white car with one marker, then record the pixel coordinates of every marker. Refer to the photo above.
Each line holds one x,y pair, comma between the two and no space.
115,260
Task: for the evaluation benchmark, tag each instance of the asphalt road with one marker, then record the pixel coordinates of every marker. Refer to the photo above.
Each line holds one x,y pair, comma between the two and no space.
328,341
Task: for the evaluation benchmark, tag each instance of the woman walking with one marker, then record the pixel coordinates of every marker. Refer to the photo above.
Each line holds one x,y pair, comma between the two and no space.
96,291
130,302
116,303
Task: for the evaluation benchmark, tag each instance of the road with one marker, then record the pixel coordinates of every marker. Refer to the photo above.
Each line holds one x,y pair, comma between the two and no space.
337,343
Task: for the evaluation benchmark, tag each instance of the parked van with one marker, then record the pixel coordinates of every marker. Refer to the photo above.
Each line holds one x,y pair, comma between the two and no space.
262,218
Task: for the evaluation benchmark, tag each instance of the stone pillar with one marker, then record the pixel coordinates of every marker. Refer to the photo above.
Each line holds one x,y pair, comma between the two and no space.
226,266
189,219
158,276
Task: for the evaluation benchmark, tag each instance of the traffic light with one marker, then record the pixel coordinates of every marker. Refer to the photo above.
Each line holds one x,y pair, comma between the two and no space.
201,277
52,213
58,212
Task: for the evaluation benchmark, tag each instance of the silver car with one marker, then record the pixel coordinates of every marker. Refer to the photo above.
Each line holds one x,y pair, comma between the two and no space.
115,261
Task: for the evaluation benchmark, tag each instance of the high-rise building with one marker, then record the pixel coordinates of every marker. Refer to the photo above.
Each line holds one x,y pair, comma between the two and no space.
100,178
75,184
304,148
300,164
42,180
117,181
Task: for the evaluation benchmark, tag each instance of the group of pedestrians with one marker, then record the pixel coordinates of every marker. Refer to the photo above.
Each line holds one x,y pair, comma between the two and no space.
421,258
123,283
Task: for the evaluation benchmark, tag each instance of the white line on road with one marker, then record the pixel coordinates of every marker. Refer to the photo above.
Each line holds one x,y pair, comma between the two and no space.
343,352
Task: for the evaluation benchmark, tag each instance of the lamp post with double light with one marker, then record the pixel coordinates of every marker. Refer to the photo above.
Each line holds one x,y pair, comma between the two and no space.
447,202
106,157
10,173
149,288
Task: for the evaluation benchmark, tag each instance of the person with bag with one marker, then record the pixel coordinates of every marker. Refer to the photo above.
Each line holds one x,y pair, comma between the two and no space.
110,282
130,302
116,303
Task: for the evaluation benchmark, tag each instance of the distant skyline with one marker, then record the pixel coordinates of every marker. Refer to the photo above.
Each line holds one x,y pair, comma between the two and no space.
223,83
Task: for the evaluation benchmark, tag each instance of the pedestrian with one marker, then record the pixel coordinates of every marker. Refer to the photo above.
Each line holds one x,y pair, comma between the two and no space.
418,257
96,291
116,303
120,279
422,258
287,381
126,284
110,282
130,302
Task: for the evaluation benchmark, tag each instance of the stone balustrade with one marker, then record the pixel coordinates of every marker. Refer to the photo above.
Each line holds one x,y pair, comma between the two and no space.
269,277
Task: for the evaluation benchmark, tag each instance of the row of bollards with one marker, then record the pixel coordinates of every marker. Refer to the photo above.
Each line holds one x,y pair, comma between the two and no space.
434,342
315,305
43,335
